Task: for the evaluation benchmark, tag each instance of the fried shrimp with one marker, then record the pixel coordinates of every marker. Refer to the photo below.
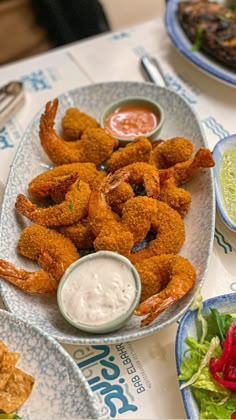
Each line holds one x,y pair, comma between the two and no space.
75,122
178,198
114,237
94,146
132,228
53,252
169,152
116,198
137,151
50,181
137,215
71,210
143,173
80,233
170,233
165,279
184,171
109,232
98,208
114,234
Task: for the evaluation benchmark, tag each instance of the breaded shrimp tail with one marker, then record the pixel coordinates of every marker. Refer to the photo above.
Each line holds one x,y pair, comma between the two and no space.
48,117
95,144
50,249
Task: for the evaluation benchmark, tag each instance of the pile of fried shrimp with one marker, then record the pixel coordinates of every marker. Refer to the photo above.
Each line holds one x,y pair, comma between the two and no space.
136,196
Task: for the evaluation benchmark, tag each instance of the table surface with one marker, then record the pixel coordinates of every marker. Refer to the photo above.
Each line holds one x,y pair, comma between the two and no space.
153,391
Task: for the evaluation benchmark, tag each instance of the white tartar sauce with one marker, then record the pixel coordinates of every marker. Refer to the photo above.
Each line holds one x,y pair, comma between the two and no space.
98,291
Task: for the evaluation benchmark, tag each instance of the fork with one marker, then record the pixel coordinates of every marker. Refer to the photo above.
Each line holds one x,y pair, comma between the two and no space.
12,98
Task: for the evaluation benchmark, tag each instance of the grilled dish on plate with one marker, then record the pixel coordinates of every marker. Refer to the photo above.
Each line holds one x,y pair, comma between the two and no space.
211,27
197,237
205,33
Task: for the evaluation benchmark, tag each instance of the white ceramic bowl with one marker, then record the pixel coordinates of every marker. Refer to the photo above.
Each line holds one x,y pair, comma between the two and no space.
218,152
108,326
151,105
188,327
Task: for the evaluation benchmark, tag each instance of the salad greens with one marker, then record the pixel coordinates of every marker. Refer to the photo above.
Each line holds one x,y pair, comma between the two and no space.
214,400
4,415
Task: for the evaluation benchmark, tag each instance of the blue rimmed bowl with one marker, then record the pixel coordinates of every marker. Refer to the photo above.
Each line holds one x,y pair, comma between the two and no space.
220,148
60,389
188,326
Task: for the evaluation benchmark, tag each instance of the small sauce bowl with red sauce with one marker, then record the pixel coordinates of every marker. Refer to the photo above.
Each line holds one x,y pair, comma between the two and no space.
131,117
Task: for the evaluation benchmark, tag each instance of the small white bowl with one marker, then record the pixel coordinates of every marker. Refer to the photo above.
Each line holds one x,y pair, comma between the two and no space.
109,325
218,152
147,103
188,327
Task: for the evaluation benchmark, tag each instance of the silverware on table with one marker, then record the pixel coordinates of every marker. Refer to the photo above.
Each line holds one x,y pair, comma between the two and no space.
12,98
152,70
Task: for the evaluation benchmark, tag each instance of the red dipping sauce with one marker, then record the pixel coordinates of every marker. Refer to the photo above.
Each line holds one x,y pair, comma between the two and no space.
131,121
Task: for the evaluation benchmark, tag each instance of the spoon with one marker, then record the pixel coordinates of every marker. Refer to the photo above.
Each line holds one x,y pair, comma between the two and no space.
12,98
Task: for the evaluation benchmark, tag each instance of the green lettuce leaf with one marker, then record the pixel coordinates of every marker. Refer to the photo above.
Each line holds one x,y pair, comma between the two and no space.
197,304
206,382
192,358
213,406
214,400
218,324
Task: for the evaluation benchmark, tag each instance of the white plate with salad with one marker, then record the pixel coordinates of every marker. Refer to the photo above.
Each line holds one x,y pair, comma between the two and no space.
206,359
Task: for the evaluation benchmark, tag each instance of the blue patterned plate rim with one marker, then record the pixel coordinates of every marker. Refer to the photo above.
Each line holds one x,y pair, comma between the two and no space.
220,147
54,344
141,333
221,301
184,45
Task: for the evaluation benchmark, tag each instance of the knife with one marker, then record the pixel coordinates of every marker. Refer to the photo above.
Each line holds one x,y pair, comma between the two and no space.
152,70
12,98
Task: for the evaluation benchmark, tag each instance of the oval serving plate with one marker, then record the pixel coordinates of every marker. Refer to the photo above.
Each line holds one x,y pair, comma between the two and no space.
188,327
204,62
60,389
180,120
218,152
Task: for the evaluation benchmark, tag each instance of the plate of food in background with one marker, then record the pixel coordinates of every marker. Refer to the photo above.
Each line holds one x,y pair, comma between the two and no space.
104,210
205,358
205,33
38,377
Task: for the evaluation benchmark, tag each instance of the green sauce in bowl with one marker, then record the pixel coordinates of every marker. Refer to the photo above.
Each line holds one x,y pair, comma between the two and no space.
228,182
